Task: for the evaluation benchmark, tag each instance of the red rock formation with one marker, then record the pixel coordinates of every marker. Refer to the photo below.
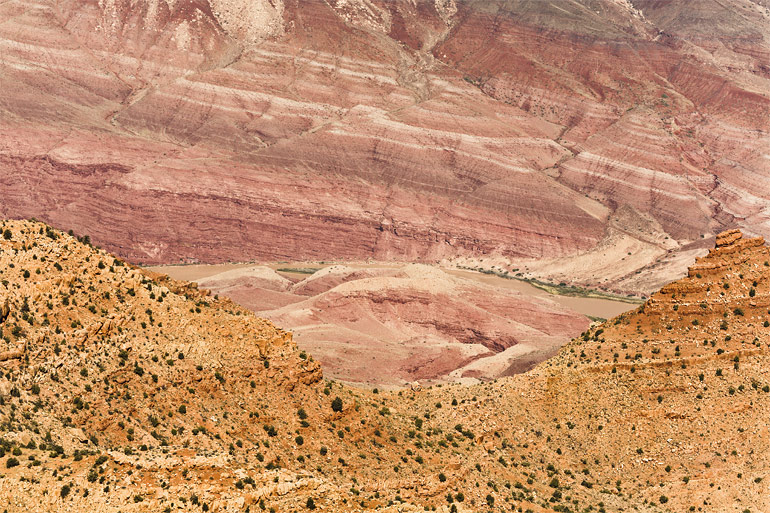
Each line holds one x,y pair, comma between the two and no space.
233,130
394,325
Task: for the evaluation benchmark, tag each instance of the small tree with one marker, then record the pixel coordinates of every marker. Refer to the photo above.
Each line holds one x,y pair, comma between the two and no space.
337,404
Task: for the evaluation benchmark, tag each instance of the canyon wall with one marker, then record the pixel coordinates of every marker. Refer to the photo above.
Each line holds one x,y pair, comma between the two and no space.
420,131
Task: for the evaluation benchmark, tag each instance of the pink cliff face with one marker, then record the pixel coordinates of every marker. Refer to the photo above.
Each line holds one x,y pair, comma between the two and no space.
233,130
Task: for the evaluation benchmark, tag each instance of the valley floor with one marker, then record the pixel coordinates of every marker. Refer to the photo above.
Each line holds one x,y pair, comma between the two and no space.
389,324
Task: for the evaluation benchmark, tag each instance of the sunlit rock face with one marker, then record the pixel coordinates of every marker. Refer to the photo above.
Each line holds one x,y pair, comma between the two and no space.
428,130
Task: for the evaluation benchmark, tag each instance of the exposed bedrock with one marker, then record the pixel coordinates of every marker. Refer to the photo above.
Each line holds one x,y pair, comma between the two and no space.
233,130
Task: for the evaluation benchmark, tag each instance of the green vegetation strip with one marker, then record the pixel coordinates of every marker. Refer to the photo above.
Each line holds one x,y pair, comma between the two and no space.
558,289
299,270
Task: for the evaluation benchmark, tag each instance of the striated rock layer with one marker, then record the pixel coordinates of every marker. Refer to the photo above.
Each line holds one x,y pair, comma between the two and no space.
235,130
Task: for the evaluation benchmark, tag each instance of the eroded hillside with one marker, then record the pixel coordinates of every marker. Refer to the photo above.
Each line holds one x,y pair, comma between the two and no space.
127,391
552,137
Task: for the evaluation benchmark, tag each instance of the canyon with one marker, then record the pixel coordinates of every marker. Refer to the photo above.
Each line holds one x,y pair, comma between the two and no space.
600,143
384,255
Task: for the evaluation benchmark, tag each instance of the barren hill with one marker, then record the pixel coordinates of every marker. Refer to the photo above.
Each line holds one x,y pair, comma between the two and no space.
392,326
234,130
125,391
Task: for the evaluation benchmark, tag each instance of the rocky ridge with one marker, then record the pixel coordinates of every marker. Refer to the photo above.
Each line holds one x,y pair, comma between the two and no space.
126,391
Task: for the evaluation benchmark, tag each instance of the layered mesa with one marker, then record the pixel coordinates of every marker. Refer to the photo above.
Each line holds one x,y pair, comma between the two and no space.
553,138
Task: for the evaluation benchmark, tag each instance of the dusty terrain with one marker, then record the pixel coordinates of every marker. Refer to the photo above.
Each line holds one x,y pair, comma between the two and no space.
393,324
126,391
555,138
